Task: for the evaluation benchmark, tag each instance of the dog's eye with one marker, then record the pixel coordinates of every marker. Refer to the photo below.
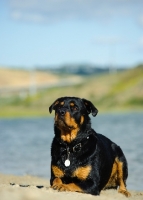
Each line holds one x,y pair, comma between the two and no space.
74,108
59,107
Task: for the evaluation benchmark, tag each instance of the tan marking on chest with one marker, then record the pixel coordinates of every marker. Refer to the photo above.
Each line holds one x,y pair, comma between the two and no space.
69,136
82,172
57,171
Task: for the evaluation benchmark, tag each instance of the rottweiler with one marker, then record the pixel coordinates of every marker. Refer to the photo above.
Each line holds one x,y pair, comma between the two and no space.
81,159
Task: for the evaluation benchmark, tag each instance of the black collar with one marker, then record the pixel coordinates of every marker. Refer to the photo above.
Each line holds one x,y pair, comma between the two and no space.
76,145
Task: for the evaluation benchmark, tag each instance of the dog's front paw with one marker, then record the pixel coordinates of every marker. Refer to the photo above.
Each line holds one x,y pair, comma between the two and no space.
57,184
64,188
60,187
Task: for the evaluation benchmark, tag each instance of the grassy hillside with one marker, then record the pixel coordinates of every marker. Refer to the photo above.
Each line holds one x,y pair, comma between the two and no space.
24,78
121,91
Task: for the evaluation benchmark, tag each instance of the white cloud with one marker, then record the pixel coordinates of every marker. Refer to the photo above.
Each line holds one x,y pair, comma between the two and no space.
55,10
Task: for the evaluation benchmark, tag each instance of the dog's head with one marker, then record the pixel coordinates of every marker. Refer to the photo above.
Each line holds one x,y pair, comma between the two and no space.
71,112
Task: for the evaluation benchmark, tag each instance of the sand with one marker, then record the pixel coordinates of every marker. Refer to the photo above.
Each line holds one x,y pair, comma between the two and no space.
10,189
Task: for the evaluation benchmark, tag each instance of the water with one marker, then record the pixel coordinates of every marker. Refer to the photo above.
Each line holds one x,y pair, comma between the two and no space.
25,144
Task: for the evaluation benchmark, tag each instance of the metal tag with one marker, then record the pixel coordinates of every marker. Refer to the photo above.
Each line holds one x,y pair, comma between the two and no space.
67,163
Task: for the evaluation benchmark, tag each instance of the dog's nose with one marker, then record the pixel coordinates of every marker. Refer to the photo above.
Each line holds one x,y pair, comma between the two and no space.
62,112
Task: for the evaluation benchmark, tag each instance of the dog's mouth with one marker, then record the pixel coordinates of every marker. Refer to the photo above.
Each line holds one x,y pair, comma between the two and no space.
65,123
60,123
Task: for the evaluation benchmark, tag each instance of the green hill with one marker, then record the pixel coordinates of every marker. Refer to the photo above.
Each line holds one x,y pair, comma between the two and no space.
110,92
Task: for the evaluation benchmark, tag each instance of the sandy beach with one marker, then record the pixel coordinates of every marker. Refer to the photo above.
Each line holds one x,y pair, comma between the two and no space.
34,188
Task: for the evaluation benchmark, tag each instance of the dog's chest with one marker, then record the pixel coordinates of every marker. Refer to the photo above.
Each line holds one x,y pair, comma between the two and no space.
72,160
69,155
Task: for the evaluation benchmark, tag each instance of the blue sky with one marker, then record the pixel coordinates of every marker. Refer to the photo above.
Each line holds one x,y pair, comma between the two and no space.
57,32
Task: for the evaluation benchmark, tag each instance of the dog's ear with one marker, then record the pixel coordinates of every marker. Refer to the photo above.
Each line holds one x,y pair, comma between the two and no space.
90,107
53,106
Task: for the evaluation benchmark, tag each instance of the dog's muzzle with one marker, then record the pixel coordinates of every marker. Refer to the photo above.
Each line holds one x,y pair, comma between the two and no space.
62,111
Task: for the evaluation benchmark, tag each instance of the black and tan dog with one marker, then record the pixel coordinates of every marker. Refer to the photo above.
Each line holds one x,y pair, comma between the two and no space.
83,160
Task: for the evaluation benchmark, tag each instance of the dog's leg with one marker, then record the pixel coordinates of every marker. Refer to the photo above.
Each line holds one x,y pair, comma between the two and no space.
121,169
120,178
58,185
56,181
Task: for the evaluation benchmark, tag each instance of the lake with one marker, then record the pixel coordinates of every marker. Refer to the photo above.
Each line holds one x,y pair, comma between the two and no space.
25,144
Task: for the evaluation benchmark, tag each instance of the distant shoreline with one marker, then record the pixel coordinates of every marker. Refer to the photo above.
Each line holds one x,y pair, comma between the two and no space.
28,114
110,93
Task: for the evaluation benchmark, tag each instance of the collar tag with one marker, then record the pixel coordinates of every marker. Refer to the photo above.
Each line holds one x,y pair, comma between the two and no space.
67,163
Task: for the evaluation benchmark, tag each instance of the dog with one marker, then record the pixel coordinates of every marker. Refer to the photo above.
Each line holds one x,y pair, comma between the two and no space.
81,159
